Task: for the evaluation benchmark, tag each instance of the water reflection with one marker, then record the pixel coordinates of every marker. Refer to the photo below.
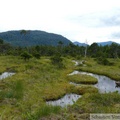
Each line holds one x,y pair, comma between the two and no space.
68,99
5,75
104,84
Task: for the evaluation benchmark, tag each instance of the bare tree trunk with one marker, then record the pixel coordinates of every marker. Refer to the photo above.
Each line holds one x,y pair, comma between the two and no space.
86,49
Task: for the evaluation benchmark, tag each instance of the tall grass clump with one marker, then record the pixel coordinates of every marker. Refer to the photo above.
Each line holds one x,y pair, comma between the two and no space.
105,99
43,111
99,103
83,79
16,90
85,89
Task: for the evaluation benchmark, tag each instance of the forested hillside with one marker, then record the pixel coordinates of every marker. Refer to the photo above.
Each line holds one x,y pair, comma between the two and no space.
32,38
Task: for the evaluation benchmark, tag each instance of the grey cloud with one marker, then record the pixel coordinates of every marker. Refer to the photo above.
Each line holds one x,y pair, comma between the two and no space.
100,19
87,20
116,35
111,20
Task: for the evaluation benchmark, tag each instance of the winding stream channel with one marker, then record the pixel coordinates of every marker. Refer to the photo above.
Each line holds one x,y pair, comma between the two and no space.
104,85
68,99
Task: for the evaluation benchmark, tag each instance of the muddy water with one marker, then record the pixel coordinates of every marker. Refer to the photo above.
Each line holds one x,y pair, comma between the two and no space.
5,75
105,84
68,99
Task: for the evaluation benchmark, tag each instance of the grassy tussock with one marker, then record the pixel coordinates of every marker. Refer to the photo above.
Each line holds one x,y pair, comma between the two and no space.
109,71
15,90
44,110
53,91
85,89
99,103
84,79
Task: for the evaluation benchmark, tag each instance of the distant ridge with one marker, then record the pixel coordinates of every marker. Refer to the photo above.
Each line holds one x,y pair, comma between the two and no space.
79,44
106,43
32,38
99,43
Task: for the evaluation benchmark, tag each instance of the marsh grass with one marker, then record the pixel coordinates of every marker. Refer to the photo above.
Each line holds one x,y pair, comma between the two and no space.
27,86
44,110
37,80
85,89
80,78
15,90
109,71
53,91
105,99
99,103
11,90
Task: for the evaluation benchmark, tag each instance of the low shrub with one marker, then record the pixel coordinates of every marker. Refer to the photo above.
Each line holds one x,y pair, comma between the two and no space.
104,61
58,61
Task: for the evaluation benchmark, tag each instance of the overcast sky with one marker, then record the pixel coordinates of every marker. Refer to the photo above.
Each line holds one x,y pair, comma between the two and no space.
78,20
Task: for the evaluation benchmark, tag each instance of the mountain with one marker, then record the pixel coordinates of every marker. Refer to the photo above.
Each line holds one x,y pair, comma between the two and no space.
106,43
79,44
32,38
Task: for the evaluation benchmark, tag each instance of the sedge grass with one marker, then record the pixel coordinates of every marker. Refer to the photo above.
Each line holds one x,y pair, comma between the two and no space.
109,71
99,103
41,81
44,110
80,78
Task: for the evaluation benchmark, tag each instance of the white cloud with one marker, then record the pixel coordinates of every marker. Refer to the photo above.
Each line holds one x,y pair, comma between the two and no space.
78,20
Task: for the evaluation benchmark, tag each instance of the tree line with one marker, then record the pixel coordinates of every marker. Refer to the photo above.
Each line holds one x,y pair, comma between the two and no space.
94,50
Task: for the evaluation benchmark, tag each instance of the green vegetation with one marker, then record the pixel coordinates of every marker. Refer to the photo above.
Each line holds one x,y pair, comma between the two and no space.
23,95
80,78
41,74
57,60
84,89
111,70
99,103
26,56
15,90
35,81
44,110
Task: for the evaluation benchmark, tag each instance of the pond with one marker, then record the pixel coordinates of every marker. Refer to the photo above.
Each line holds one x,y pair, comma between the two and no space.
68,99
76,63
5,75
104,85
